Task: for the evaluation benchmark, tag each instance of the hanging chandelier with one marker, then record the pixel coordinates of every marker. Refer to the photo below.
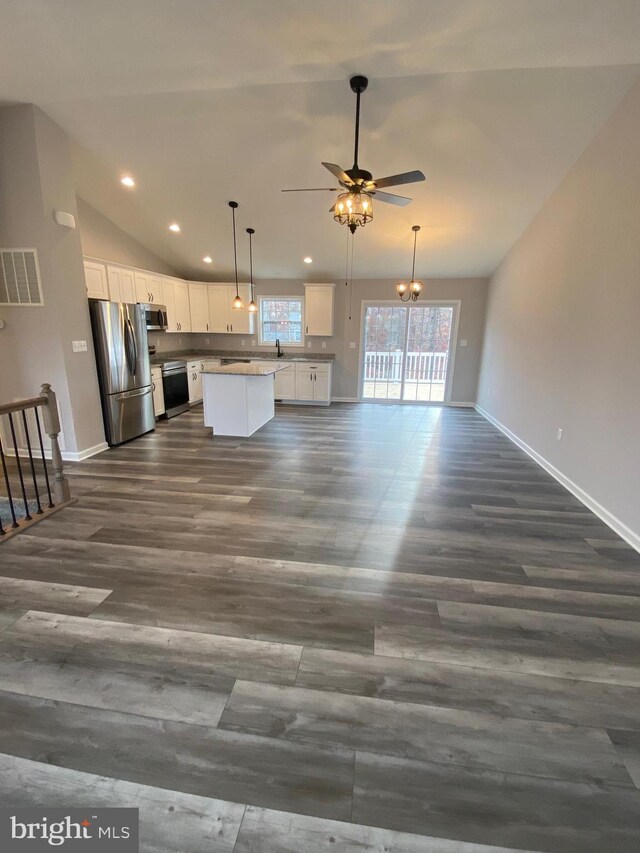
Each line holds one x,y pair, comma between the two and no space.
237,303
353,209
252,308
412,289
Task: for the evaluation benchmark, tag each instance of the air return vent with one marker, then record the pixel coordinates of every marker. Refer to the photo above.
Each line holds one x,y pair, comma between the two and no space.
19,277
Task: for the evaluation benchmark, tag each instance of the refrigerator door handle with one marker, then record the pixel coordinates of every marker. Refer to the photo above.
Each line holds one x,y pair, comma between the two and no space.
137,392
131,349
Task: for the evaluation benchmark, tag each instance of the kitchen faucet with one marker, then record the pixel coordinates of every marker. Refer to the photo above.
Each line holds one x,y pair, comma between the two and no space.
279,351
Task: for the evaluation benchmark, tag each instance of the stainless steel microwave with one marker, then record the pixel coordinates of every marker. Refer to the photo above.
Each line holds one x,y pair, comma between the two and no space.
155,317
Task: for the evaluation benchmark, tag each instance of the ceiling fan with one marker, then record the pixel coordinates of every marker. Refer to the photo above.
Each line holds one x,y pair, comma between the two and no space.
358,187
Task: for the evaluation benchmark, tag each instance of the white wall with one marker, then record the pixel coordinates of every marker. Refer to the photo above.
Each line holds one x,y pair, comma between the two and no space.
36,343
562,341
101,238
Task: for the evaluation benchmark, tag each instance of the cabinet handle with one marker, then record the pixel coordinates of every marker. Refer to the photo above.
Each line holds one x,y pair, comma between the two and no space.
307,329
153,385
232,327
207,327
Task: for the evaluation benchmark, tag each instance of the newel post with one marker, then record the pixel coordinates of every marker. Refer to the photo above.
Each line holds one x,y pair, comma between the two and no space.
51,420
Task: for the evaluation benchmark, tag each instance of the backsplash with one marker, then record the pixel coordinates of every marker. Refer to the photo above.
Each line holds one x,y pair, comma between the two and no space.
192,341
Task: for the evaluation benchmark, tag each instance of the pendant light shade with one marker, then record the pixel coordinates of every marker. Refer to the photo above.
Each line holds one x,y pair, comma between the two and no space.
252,308
237,303
412,289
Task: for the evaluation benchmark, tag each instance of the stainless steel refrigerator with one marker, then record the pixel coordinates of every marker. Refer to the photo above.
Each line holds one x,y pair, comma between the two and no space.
124,373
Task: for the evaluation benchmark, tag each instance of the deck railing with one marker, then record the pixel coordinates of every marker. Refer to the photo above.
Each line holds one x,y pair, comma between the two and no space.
419,366
28,487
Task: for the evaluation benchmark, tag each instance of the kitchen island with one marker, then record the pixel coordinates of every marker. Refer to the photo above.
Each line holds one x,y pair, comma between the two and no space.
238,398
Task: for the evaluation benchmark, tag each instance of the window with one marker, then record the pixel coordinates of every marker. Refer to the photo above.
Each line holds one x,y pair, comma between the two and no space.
281,319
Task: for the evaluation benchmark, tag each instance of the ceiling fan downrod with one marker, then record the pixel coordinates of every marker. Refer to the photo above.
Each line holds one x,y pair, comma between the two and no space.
358,85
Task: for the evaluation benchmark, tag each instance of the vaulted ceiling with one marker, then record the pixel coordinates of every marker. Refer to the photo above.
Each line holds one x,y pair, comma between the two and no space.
209,101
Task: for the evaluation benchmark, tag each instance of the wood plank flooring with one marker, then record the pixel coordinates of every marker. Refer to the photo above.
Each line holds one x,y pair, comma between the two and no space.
365,628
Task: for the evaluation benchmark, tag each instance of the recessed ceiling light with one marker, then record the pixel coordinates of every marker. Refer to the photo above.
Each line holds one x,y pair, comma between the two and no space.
174,227
127,181
308,260
207,259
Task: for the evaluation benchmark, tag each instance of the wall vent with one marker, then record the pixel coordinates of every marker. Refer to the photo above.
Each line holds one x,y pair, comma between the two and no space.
20,277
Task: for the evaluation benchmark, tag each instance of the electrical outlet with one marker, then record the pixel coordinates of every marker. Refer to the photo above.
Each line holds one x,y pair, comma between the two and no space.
79,346
323,344
253,342
309,344
242,342
559,434
207,340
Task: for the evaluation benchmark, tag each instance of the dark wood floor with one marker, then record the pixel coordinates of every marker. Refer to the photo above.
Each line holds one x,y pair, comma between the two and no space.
366,628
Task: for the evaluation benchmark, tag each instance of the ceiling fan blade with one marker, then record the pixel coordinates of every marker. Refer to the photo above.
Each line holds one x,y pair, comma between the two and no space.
337,172
396,180
390,198
314,190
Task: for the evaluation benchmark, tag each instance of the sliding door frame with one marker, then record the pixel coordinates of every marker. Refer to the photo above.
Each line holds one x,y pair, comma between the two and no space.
453,345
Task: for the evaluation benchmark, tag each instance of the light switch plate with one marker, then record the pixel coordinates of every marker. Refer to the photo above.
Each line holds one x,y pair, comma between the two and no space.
352,344
463,342
79,346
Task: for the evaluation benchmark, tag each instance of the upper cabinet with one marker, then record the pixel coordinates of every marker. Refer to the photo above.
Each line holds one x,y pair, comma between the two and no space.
318,309
148,287
222,317
95,276
199,305
122,284
175,296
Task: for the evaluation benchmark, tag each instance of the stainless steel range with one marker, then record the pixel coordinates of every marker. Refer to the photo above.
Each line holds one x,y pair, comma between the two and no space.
175,386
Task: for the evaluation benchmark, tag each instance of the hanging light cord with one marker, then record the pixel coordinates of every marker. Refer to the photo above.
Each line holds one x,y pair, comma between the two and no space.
251,263
413,268
235,251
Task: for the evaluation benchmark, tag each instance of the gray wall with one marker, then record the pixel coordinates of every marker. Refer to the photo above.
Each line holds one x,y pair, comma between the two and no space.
562,343
35,345
101,238
470,291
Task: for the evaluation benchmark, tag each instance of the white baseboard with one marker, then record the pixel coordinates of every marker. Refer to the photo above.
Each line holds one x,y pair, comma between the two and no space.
72,456
461,405
356,400
345,400
603,514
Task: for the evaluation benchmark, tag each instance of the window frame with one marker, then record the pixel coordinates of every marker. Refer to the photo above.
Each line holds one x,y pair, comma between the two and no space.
275,298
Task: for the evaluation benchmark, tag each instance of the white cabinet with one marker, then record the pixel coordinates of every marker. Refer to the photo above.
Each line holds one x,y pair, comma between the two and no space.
313,382
222,317
175,296
284,386
148,287
95,276
158,393
122,284
318,309
199,306
195,381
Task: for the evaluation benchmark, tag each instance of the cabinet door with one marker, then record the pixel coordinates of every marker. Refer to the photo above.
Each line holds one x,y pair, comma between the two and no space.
95,276
155,288
241,322
318,309
158,394
115,284
284,386
143,290
183,311
304,382
322,385
127,286
219,307
192,376
169,299
199,305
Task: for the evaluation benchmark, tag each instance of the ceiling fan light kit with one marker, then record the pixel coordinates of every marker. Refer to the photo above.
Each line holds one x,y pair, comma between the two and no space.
358,187
414,288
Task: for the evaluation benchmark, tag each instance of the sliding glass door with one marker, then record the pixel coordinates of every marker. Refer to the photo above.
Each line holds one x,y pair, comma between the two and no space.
406,351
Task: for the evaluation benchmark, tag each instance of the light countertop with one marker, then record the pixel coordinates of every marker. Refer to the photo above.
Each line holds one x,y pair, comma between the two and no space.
244,369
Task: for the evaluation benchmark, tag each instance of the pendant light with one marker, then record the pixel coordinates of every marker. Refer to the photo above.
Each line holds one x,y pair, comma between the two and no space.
237,303
251,307
414,288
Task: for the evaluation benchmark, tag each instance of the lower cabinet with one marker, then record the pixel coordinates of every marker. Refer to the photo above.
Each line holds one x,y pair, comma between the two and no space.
158,393
313,382
195,381
284,384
